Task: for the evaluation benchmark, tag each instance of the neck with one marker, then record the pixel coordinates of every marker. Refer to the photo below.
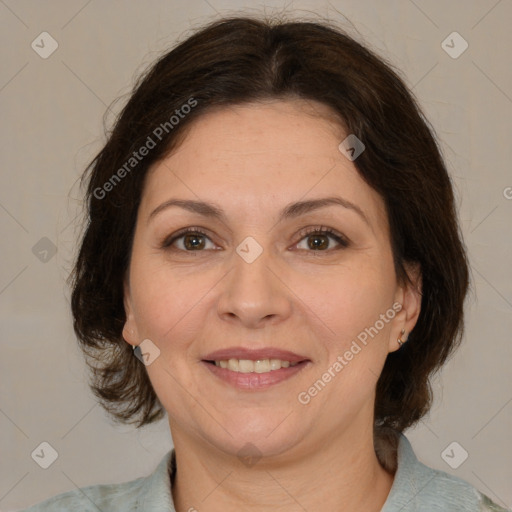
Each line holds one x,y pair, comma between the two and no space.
340,474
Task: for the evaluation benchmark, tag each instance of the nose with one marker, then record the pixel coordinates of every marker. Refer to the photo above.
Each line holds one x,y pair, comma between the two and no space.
254,294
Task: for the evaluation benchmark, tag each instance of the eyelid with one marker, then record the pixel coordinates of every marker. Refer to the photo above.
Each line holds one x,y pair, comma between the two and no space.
341,239
169,240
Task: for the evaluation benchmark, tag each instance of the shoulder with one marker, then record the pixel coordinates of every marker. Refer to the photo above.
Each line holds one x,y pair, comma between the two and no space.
93,498
448,492
419,488
145,493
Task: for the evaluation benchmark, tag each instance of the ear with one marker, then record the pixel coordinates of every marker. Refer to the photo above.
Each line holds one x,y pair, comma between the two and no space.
409,296
130,333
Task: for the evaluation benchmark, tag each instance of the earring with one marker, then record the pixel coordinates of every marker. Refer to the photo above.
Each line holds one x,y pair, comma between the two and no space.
400,340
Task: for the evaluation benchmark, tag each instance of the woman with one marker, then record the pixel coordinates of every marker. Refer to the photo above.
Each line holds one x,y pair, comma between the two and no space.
273,259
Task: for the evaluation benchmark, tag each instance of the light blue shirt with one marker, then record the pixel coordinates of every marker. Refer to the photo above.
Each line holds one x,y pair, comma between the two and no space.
416,488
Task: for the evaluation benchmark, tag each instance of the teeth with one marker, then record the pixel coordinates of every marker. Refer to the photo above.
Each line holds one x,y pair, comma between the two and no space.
233,365
259,366
262,366
244,365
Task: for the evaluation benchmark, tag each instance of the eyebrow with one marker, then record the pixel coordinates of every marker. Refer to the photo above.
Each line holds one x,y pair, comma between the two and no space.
290,211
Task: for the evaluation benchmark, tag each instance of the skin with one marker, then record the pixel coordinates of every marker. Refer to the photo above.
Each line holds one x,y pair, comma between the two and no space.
252,161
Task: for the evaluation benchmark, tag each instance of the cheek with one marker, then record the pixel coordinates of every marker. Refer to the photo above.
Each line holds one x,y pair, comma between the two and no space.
352,311
351,297
166,301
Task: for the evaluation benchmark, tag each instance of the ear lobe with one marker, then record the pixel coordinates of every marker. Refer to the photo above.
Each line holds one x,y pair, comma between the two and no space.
130,334
407,318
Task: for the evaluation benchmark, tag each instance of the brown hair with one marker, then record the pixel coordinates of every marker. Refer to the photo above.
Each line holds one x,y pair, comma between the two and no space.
239,60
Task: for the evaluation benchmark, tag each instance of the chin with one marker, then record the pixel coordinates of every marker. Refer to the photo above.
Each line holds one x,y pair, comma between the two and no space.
260,436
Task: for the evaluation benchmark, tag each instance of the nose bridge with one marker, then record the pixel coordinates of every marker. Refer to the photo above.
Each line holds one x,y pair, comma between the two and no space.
252,290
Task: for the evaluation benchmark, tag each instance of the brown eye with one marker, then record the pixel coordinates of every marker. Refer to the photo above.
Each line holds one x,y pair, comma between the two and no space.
318,239
188,240
193,241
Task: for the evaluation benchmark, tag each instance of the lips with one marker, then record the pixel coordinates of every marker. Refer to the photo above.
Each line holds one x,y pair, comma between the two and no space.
255,381
254,354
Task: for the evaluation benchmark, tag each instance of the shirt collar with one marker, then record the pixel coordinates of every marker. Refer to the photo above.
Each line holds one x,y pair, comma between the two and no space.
411,477
156,491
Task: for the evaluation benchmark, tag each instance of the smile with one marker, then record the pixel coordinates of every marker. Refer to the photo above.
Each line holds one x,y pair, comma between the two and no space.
258,366
249,378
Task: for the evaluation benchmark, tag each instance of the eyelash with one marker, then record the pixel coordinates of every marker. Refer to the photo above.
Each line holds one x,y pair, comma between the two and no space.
320,230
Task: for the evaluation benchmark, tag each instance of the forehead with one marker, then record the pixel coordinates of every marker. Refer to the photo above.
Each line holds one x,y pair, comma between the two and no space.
257,157
269,130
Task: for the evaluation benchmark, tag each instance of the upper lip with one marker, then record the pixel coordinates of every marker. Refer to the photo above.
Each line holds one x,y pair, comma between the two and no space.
254,354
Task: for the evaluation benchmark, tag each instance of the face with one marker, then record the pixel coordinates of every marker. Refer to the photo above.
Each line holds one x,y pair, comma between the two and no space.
261,277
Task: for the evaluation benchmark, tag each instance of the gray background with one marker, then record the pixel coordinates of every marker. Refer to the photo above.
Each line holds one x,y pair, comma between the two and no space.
52,125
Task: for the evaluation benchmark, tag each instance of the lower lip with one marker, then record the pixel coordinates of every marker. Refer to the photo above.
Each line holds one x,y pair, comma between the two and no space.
255,381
